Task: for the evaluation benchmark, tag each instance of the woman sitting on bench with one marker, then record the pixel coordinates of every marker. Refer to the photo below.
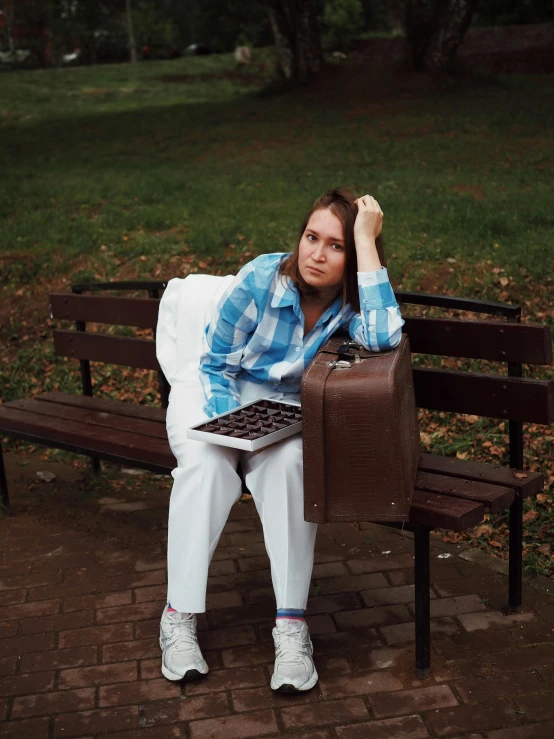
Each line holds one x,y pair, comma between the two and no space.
267,327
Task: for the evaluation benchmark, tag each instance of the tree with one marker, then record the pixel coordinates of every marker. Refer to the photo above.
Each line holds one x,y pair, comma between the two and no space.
131,32
297,40
435,29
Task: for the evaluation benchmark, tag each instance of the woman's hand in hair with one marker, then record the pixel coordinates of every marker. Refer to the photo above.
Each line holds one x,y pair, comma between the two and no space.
367,227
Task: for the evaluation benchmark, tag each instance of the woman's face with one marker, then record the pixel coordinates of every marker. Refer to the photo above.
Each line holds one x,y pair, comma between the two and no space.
322,252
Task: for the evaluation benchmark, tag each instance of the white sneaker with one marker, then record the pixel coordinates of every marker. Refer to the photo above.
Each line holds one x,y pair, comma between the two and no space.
181,658
294,666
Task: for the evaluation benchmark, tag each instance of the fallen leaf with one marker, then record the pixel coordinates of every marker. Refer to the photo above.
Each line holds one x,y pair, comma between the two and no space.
542,498
503,281
544,549
202,265
461,455
520,475
530,515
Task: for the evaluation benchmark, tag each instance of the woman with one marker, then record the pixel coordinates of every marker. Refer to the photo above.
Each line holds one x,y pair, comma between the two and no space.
267,327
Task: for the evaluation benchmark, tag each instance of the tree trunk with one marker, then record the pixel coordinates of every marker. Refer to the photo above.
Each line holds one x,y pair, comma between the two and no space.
435,29
394,16
131,32
452,21
8,10
296,33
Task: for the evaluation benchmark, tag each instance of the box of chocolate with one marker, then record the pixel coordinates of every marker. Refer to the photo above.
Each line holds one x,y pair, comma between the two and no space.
252,426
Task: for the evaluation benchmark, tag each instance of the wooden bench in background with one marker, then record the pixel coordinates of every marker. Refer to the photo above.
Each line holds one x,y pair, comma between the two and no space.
449,494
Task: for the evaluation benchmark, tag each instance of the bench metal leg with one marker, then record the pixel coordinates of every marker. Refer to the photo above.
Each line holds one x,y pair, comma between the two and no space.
422,602
95,466
5,498
516,556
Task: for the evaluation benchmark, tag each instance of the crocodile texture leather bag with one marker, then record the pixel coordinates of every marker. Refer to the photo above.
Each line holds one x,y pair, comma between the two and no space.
360,433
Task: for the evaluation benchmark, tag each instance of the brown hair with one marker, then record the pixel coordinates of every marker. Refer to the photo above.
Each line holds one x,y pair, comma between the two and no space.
341,202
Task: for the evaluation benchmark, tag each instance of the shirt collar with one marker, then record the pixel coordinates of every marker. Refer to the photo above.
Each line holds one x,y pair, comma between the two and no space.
285,293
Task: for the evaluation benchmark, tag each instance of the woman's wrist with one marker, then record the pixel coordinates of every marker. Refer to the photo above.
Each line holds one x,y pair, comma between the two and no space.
367,256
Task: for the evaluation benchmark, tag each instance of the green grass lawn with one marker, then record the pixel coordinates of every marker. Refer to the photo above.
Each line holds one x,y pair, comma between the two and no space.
163,168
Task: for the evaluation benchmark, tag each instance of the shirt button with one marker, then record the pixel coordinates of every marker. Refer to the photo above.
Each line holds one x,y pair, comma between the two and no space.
297,349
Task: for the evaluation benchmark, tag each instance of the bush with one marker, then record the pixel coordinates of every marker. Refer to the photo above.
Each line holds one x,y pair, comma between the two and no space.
342,24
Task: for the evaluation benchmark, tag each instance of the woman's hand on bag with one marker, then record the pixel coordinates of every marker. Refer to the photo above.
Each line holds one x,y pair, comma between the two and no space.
369,220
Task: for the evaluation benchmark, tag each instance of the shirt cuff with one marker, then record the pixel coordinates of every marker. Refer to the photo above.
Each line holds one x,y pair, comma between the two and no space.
220,404
375,290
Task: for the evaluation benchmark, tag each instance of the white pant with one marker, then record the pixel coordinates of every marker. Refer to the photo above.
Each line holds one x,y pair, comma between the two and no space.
206,485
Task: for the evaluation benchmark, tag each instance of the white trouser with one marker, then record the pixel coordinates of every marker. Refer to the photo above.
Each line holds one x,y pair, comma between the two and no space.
206,485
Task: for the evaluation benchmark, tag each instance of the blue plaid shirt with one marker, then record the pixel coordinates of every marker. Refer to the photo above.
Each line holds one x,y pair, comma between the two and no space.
257,332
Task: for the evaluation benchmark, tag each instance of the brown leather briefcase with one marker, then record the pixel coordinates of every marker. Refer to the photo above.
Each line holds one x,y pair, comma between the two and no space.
360,433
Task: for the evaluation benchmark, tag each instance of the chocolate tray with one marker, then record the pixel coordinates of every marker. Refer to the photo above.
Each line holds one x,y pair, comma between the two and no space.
252,426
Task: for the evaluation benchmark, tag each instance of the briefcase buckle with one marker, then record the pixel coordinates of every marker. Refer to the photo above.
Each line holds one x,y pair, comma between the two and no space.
339,364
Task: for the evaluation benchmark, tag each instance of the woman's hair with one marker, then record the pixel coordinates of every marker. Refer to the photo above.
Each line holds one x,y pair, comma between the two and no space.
341,202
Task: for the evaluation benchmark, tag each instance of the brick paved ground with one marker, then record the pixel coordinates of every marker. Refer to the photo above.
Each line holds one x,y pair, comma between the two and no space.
82,588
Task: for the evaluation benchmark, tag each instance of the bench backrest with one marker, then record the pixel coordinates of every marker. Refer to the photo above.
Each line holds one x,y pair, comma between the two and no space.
504,396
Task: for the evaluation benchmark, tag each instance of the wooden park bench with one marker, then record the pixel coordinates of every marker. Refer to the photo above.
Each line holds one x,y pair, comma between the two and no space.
449,493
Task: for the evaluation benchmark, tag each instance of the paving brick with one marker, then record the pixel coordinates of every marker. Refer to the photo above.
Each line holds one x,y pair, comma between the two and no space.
259,723
389,596
144,565
346,641
380,563
236,552
153,732
30,682
23,644
547,674
92,602
96,635
397,578
250,614
256,654
330,665
527,658
536,707
475,621
223,567
222,638
45,704
498,686
348,583
329,569
333,712
227,599
35,728
380,616
58,659
139,649
343,686
407,727
242,677
536,731
456,605
156,592
98,675
96,722
10,629
9,597
262,698
328,604
178,710
401,633
383,658
407,702
30,580
481,717
120,614
8,665
59,622
131,581
460,668
253,564
466,586
137,692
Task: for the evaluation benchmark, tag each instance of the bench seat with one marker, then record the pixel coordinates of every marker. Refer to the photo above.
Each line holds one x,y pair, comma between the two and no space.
449,493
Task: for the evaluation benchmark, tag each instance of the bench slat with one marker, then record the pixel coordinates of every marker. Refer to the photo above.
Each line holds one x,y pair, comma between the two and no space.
494,497
139,312
106,405
90,417
91,440
445,512
139,353
492,340
481,471
494,396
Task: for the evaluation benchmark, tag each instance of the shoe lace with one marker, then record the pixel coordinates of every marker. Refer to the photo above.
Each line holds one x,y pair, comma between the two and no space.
183,635
291,647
